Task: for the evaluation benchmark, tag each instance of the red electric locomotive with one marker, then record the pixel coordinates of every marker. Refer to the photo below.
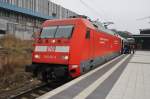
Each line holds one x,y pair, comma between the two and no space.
71,47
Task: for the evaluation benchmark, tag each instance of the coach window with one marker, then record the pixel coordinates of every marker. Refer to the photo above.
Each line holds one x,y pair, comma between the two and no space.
87,34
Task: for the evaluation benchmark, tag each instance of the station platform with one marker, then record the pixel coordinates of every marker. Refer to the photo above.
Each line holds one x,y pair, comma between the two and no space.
125,77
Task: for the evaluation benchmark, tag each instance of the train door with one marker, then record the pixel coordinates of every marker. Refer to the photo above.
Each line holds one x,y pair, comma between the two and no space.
92,48
90,36
122,46
87,51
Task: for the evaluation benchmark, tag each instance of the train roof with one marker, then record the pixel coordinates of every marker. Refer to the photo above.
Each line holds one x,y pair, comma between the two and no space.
68,21
73,20
101,27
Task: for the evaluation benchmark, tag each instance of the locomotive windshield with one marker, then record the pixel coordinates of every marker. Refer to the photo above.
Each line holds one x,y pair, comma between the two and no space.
57,31
48,32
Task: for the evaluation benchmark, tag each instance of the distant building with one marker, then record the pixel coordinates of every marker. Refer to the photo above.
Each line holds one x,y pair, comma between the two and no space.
124,34
145,31
23,17
143,40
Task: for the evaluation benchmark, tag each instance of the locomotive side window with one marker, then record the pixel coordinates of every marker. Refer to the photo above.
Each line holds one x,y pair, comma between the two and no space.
87,34
48,32
64,31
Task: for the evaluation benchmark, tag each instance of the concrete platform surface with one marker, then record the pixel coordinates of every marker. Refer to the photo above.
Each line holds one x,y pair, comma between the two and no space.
134,82
125,77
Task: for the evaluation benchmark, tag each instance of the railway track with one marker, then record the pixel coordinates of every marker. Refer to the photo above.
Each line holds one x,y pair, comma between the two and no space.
38,90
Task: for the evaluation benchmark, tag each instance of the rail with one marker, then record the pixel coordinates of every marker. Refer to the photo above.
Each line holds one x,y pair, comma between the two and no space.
38,90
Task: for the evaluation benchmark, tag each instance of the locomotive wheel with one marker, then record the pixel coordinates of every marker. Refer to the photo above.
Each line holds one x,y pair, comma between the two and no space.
42,76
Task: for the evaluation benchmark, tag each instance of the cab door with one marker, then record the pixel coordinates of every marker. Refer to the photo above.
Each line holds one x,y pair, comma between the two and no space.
90,50
91,47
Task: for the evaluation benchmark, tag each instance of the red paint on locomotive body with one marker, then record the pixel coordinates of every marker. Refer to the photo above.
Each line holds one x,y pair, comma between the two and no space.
84,43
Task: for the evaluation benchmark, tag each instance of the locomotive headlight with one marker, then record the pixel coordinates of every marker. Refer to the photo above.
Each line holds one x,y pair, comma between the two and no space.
36,56
65,57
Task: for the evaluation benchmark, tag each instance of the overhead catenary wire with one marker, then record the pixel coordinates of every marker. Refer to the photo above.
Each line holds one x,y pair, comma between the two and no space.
143,18
103,16
91,9
99,15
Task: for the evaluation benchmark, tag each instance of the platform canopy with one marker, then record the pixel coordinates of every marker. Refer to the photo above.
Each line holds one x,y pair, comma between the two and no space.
26,11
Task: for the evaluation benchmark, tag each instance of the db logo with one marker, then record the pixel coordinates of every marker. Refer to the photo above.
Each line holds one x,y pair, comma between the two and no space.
51,48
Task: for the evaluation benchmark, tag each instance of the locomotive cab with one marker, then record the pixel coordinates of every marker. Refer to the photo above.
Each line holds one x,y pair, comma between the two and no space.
53,45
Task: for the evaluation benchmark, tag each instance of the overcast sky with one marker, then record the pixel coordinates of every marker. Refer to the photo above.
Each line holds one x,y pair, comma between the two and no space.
124,13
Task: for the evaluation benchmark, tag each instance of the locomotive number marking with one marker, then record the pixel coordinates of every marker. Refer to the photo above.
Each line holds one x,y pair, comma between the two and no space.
51,48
